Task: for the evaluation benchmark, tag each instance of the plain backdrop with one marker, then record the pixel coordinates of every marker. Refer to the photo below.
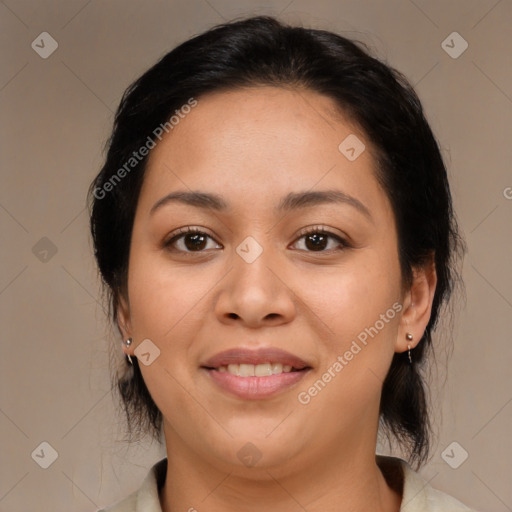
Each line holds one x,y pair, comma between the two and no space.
56,115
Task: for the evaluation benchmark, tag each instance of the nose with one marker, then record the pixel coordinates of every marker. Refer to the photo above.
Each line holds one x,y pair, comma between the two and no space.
255,294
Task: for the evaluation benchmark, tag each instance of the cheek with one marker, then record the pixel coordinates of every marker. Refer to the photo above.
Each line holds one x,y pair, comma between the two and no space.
351,299
164,298
361,306
167,307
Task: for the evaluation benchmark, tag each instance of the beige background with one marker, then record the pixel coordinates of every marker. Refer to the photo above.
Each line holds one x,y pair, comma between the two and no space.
57,113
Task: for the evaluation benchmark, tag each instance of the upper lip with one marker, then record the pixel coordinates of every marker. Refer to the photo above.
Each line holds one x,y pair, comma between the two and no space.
257,356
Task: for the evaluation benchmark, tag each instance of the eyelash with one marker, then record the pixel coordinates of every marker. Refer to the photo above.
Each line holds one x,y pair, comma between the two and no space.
316,230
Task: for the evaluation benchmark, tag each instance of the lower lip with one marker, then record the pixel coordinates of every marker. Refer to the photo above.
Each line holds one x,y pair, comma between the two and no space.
255,388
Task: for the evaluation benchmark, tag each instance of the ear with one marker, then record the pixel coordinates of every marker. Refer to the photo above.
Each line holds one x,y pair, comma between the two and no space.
124,323
417,305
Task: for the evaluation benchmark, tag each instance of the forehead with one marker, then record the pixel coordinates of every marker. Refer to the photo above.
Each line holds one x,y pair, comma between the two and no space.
261,142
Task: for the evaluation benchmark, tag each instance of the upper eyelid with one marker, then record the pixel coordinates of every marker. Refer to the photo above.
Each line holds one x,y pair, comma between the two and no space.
319,229
340,237
181,232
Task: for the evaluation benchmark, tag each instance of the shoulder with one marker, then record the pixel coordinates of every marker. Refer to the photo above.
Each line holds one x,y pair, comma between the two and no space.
417,494
146,497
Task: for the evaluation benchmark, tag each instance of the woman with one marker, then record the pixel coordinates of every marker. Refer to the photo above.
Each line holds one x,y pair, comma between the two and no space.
274,226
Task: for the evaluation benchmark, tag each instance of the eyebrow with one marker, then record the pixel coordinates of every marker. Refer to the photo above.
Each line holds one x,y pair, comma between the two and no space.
292,201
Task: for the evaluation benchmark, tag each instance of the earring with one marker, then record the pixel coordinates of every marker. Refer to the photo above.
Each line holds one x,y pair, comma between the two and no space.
409,337
128,342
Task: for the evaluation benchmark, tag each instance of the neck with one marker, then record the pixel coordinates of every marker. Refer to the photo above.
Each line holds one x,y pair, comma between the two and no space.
342,481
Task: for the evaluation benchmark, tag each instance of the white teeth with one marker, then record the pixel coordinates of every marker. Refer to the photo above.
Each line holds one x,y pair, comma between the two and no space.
263,370
234,369
246,370
258,370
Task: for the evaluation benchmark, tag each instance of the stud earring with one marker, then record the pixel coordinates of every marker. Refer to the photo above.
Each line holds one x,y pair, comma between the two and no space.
409,337
128,342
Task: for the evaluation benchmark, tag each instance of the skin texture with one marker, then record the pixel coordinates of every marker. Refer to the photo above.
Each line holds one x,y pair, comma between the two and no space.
253,147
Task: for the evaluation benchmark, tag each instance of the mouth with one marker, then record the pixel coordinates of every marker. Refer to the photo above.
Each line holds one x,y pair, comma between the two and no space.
256,370
255,374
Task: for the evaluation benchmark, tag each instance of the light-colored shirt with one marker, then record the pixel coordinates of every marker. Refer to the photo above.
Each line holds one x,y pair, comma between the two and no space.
417,494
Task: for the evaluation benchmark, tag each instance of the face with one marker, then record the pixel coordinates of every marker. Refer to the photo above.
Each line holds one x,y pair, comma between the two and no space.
288,258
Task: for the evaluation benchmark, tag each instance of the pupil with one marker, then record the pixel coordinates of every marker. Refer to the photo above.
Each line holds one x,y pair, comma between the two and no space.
197,241
318,241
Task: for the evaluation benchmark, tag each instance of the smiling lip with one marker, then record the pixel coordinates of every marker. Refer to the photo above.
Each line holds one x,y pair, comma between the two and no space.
259,356
255,388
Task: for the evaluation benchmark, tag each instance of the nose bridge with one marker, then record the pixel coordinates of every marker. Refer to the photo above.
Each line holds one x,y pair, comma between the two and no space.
253,292
252,269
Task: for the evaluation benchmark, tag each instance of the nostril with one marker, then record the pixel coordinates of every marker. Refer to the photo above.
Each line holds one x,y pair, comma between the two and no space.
233,315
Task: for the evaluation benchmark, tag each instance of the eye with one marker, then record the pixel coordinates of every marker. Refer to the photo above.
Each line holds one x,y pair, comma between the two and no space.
190,239
318,239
